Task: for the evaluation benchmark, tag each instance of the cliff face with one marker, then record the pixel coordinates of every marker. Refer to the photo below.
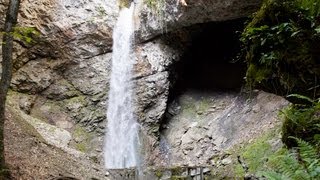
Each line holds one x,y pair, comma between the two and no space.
161,16
63,78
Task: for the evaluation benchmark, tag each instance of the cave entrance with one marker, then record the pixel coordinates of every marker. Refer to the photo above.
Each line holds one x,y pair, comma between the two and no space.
211,62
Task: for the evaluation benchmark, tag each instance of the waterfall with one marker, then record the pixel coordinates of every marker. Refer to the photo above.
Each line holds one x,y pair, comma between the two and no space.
122,129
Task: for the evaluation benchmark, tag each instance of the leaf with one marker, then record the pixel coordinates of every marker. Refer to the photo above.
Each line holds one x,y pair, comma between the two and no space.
298,96
295,33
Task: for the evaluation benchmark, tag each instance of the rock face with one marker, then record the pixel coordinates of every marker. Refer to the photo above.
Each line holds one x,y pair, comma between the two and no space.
63,77
158,17
204,124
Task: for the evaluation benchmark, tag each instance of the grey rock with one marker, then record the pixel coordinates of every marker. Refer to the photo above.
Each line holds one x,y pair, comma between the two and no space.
90,76
230,125
172,15
33,78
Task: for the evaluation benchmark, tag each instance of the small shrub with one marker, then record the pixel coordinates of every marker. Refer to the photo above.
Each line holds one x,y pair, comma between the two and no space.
301,120
282,48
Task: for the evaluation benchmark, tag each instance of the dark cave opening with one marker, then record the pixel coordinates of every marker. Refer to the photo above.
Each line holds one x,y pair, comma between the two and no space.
210,62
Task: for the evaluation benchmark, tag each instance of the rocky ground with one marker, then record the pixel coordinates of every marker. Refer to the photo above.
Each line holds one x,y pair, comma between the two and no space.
29,155
201,125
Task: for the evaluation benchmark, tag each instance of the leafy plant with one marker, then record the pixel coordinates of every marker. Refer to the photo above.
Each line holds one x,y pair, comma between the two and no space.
301,164
281,47
302,120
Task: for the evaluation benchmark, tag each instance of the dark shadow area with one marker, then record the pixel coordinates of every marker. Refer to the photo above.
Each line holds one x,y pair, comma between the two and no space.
210,62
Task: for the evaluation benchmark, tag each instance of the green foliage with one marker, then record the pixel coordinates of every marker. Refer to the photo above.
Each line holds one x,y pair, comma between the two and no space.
26,34
301,120
282,50
302,164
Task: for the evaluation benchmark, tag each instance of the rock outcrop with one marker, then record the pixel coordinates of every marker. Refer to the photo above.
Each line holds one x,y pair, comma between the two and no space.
157,17
202,125
63,77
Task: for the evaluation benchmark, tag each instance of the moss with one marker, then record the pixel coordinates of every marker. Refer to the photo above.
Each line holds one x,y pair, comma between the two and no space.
75,104
82,138
81,147
81,132
124,3
176,170
256,154
158,173
256,75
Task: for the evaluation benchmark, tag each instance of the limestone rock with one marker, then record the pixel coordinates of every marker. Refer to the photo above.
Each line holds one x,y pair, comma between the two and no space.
172,15
33,78
215,131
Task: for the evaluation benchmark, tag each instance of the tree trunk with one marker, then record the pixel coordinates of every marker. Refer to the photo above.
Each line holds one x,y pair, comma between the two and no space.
7,48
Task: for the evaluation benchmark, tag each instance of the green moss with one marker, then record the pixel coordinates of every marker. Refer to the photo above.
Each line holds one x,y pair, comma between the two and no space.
81,147
256,154
158,173
75,104
124,3
83,139
176,170
79,132
257,75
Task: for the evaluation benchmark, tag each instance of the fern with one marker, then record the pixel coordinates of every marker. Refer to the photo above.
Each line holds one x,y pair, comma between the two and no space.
302,164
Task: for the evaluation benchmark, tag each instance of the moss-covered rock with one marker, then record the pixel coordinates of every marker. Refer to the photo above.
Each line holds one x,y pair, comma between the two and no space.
249,158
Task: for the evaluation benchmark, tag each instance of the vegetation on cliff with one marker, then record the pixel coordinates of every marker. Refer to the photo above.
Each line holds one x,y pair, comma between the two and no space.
282,52
282,47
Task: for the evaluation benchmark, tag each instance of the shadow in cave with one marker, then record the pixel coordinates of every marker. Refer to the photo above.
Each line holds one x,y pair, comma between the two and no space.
209,66
210,62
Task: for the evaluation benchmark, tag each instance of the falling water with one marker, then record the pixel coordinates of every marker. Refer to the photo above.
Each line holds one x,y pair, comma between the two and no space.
122,133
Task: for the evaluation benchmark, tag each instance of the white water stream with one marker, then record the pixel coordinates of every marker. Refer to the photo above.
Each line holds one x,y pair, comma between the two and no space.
122,129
